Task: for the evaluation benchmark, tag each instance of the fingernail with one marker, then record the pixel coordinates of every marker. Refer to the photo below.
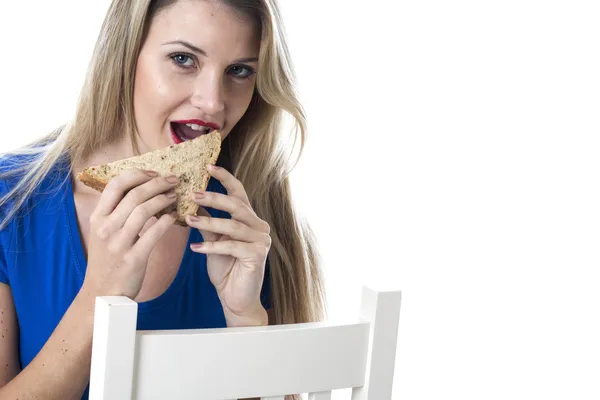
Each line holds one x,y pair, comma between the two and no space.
196,246
193,218
151,173
213,167
171,194
199,194
172,179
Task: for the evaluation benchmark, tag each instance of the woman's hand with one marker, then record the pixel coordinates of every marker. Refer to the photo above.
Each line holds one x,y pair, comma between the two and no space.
236,249
118,256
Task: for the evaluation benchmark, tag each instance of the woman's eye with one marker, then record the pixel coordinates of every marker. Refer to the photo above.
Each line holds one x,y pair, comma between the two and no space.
183,60
241,71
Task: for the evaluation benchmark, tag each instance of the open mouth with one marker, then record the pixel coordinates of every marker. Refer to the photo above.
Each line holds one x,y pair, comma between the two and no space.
182,132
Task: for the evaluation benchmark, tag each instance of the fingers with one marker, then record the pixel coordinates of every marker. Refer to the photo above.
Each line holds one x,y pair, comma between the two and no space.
128,216
238,210
206,235
232,228
248,253
139,196
147,242
233,186
147,225
117,187
236,202
142,214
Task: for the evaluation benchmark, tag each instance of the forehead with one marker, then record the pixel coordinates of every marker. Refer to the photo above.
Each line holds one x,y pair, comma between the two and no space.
211,25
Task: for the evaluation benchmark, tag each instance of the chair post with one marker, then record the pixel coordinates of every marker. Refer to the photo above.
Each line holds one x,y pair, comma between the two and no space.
113,348
382,310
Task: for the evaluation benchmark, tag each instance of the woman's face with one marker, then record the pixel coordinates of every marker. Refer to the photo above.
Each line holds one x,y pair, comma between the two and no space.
196,71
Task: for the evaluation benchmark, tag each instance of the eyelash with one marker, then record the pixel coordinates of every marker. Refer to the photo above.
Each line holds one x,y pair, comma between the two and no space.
251,71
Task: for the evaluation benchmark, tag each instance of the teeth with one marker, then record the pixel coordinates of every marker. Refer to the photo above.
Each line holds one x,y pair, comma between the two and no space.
194,126
199,128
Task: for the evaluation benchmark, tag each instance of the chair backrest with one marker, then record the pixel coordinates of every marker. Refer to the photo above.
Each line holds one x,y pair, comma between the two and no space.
231,363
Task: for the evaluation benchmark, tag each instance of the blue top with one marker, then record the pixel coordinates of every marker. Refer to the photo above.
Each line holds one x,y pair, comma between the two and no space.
42,259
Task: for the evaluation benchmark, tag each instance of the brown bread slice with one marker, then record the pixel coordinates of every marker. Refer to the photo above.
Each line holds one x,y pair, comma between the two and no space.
186,160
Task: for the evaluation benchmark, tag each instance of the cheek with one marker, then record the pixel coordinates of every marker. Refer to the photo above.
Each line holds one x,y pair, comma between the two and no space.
241,97
153,93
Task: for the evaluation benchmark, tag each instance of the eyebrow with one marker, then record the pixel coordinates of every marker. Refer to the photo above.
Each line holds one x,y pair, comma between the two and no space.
200,51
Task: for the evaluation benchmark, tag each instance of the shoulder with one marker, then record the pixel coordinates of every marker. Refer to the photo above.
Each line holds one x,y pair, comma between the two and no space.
12,169
22,181
28,206
7,180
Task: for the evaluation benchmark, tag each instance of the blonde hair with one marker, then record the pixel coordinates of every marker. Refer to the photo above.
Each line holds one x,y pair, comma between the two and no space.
258,151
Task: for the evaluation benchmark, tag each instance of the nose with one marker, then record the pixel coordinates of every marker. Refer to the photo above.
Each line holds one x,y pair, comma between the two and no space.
208,93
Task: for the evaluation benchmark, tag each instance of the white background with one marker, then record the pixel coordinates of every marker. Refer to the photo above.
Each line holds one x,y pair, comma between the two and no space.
453,154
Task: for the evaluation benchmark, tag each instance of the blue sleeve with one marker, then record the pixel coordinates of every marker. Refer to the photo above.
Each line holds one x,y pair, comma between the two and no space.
3,265
5,237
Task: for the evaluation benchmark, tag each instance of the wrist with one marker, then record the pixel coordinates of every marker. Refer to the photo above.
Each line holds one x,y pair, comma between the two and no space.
84,303
258,317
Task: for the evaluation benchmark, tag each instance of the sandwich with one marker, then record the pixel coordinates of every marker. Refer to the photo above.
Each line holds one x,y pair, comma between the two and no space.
187,160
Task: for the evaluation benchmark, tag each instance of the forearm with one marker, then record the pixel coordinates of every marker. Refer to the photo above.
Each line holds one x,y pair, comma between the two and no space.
61,368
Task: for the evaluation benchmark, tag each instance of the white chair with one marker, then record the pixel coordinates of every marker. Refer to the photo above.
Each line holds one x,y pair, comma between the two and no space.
231,363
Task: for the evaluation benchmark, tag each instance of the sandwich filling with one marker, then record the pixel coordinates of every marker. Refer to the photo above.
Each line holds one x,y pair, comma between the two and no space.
189,131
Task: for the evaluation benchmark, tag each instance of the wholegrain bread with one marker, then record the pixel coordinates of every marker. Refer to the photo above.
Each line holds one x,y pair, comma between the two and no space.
187,160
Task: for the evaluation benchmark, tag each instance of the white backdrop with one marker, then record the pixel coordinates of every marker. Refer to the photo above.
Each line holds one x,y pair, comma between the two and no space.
453,154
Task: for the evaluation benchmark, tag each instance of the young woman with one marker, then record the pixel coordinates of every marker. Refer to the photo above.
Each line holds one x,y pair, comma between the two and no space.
162,71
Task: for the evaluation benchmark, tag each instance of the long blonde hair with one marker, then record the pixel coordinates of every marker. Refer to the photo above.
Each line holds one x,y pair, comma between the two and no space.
258,151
